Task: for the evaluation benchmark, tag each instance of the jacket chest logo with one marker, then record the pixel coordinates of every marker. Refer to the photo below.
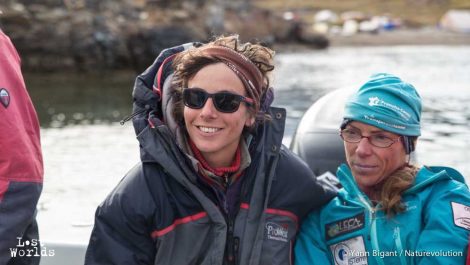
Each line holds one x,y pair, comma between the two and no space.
278,232
344,226
350,252
4,97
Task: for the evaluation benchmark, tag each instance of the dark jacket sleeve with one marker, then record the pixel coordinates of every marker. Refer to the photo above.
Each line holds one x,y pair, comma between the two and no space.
21,167
122,230
299,186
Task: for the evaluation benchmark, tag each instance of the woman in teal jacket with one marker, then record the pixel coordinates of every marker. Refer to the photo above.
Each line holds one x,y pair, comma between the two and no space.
388,211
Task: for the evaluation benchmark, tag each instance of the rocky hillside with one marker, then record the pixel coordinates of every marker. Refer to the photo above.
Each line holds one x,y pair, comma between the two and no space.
87,35
90,35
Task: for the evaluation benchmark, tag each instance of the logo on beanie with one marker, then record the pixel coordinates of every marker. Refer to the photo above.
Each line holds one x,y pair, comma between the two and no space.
4,97
375,101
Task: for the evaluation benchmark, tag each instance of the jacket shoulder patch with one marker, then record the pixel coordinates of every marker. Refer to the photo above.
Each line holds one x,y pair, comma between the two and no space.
4,97
461,215
344,226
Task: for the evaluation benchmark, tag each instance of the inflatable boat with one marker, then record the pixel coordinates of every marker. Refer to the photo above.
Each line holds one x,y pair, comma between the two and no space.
317,139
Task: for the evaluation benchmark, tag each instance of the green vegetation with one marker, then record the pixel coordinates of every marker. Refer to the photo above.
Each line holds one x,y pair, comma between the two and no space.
412,12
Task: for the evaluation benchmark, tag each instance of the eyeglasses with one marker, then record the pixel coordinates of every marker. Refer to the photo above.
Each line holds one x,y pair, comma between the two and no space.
225,102
377,139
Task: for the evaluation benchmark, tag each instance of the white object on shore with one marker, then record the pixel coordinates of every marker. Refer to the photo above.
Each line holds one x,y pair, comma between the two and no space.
326,16
350,27
456,20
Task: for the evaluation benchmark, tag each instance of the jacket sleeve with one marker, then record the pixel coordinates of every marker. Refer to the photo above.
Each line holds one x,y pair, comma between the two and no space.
447,224
310,248
17,217
302,188
21,167
122,230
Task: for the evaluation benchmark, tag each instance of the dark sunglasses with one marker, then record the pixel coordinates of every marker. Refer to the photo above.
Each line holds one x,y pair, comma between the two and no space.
225,102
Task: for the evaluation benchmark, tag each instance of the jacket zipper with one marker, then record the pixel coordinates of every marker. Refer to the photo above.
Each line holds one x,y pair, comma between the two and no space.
399,245
232,244
372,218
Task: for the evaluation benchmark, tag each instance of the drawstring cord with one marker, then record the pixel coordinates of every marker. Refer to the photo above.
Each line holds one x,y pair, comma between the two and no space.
130,117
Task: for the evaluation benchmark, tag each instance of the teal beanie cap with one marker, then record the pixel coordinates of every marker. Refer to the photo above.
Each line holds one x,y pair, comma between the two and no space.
388,103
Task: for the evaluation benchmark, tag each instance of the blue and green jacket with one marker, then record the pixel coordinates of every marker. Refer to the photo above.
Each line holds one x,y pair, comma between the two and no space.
434,228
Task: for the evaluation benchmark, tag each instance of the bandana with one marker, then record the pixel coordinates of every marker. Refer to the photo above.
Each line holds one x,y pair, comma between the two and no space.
243,67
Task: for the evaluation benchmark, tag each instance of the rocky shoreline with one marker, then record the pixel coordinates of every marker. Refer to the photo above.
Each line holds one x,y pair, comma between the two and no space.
112,35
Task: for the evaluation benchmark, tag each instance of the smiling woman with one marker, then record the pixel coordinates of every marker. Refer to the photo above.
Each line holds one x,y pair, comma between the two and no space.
214,133
394,211
212,168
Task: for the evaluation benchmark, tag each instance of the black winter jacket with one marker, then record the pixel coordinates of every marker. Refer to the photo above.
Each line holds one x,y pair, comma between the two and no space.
159,214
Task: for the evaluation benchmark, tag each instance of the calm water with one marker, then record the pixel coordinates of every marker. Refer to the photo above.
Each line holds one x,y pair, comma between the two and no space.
87,152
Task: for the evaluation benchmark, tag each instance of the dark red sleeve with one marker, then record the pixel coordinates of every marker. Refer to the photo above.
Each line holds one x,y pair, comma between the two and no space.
21,165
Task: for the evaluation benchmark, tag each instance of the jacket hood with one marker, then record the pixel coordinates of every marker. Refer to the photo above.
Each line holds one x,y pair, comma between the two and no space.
153,107
151,93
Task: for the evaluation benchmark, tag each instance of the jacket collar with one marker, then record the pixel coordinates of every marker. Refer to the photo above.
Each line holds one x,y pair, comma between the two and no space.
158,144
347,180
429,175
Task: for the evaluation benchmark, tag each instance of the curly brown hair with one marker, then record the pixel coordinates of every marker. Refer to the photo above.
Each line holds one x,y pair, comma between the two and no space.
186,64
393,187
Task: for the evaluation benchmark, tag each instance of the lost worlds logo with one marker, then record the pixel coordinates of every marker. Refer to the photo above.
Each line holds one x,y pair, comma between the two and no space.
30,248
